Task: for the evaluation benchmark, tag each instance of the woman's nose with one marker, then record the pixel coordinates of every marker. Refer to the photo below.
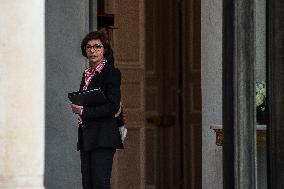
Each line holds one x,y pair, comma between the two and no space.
92,50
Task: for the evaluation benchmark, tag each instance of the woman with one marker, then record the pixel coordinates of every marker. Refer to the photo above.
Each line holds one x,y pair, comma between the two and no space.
98,134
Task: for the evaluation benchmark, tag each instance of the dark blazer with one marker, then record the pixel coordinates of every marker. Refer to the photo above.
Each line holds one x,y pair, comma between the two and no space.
99,128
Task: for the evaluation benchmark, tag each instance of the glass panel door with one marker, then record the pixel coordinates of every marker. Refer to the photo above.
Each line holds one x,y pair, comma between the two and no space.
261,92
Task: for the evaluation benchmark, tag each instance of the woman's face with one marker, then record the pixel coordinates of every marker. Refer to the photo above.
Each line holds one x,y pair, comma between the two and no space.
95,51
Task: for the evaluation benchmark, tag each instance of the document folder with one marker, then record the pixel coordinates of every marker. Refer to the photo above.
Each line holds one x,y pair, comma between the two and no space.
91,97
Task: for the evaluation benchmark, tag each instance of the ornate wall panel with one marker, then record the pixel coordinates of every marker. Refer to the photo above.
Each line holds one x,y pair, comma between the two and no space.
127,161
128,47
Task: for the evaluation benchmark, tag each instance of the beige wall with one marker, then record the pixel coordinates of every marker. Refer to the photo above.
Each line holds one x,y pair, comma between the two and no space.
129,165
22,94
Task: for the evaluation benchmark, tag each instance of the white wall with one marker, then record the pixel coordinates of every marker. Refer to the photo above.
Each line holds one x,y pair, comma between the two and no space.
211,63
22,94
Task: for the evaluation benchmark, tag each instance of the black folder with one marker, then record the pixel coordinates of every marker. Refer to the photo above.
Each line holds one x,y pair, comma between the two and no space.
91,97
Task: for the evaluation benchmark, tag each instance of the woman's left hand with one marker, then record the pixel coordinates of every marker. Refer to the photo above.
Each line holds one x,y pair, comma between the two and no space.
76,108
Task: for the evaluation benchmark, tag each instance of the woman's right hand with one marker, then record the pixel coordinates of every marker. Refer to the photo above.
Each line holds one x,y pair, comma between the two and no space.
76,109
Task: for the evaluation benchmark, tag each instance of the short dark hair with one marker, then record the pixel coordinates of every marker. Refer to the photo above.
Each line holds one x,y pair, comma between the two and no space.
108,53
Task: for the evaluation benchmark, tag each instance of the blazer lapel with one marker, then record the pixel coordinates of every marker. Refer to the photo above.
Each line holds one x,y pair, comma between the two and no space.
93,82
96,80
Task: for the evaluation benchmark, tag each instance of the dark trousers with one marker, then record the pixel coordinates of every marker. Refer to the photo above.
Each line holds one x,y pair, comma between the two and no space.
96,168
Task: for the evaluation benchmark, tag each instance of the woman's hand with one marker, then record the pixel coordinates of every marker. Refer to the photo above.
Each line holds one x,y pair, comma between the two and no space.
123,115
76,109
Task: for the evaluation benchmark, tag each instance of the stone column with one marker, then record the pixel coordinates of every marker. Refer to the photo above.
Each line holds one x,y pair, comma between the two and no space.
22,94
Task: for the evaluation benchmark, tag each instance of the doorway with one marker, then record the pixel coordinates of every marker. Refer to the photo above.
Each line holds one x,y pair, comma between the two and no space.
173,94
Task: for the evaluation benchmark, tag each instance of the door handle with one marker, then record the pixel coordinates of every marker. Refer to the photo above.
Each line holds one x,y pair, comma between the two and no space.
164,120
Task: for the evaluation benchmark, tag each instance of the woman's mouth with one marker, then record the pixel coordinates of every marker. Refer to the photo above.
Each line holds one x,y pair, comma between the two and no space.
93,57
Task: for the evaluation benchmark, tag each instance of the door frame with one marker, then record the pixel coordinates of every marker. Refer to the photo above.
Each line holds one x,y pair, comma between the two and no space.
239,148
276,93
